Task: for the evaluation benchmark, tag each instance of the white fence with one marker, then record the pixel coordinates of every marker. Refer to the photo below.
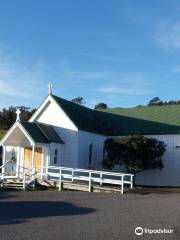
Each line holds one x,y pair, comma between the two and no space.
90,177
26,175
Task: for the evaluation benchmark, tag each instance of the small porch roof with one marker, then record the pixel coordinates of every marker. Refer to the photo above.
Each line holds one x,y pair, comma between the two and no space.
33,132
42,133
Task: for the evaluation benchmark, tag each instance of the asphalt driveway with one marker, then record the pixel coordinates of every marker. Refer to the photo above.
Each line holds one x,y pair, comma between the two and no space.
80,216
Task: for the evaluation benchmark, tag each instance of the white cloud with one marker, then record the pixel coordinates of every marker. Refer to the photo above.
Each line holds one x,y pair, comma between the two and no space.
168,35
122,90
12,90
87,75
133,84
20,80
97,56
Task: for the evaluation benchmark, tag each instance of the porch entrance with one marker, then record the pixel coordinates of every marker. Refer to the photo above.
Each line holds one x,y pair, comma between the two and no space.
37,158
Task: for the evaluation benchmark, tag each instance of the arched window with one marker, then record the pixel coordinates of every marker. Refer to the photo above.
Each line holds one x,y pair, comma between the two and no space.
90,153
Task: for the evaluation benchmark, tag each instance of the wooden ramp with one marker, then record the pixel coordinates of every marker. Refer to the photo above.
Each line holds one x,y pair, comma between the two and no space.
88,180
84,187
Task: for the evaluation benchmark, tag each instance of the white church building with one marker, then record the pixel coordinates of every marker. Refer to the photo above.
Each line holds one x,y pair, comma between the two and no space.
62,133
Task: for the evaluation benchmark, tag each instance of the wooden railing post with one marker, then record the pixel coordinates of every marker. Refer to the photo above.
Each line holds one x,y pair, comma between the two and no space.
4,162
90,181
131,186
60,179
72,175
3,172
34,176
122,185
101,175
24,182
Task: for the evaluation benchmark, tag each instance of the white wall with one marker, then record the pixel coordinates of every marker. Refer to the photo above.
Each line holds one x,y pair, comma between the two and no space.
70,148
170,174
85,139
53,115
60,153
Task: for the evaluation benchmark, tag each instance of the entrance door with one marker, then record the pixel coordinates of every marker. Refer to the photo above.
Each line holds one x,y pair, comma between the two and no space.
37,159
27,158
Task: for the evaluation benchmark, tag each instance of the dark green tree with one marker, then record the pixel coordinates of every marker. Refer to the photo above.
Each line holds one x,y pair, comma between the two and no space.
78,100
100,106
8,116
135,152
154,101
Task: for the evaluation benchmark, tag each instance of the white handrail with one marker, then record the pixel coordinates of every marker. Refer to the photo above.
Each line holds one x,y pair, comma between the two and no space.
32,169
3,167
93,176
24,174
87,170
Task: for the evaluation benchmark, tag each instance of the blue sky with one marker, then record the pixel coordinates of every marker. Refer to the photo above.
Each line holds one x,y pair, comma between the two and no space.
119,52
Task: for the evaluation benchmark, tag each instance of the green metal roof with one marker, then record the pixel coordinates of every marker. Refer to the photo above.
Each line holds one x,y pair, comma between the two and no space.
41,133
120,121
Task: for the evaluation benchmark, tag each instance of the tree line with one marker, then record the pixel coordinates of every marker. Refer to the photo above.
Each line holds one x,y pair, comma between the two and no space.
80,101
156,101
8,115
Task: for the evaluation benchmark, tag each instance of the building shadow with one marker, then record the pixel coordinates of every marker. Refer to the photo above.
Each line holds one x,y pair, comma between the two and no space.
7,194
19,212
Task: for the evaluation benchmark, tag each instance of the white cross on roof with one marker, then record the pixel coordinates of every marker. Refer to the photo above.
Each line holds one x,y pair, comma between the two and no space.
50,88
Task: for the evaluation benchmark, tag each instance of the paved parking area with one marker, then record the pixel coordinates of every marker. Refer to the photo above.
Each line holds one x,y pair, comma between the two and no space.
80,215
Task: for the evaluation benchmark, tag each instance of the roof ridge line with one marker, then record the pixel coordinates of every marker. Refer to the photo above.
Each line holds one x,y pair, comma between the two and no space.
81,106
94,111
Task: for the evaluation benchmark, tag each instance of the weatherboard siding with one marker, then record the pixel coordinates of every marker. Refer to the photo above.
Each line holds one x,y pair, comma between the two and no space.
70,148
97,141
52,114
170,174
60,154
55,116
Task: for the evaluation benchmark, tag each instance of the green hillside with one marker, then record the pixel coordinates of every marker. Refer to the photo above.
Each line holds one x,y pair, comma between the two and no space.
166,114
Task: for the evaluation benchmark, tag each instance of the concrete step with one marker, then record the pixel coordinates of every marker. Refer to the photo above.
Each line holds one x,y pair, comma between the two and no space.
15,183
9,182
43,183
11,187
12,184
